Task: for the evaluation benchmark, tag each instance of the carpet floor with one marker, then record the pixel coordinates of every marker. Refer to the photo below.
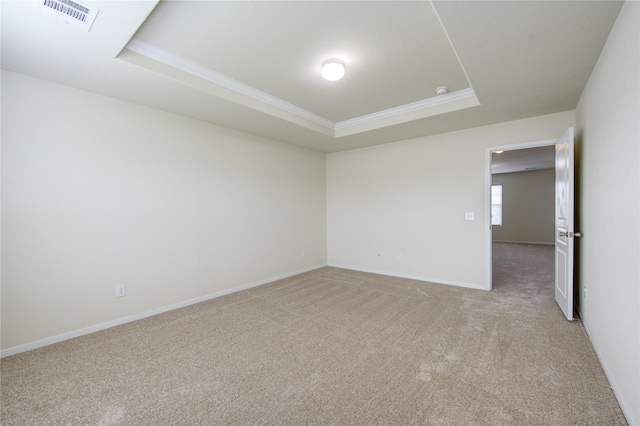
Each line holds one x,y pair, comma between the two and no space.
331,347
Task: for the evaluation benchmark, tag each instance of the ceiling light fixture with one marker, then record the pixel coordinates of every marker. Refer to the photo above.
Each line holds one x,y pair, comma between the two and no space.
333,69
498,152
442,90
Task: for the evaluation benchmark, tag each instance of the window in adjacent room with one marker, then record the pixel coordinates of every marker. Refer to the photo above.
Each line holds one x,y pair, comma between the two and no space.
496,205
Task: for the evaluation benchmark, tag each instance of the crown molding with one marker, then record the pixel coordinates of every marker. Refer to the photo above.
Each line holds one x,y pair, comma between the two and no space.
219,79
460,99
239,92
407,108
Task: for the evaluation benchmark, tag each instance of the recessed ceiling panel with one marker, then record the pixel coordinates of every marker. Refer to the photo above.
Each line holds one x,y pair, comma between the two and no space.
396,53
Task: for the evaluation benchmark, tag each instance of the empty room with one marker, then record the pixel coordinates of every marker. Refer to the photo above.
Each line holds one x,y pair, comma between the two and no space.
238,212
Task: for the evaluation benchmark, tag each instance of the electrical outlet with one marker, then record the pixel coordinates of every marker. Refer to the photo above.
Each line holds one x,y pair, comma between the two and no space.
303,253
120,292
400,257
584,292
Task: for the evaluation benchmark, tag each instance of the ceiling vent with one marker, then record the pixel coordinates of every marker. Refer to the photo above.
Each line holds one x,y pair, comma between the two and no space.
74,13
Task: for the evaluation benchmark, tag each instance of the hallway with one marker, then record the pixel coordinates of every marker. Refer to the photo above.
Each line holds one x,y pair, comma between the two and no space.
523,268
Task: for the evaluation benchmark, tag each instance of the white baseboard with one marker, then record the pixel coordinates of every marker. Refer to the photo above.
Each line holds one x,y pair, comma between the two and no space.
612,381
524,242
411,277
103,326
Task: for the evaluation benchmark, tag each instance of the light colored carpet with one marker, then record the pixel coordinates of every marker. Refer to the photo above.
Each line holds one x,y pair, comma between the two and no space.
330,347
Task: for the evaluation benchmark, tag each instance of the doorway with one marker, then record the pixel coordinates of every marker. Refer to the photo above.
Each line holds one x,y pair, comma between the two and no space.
520,246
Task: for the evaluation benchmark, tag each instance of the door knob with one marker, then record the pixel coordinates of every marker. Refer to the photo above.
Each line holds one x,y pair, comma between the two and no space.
570,234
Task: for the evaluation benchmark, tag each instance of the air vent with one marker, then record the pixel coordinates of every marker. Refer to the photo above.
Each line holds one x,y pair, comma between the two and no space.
72,12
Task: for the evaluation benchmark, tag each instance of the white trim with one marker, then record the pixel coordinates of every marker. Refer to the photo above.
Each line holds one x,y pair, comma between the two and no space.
411,277
406,109
109,324
455,101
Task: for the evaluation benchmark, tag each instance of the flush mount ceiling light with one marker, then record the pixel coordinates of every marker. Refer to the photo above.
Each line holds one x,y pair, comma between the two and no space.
442,90
332,69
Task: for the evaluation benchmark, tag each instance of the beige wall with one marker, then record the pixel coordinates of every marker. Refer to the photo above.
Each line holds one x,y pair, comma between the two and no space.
608,134
411,197
528,207
98,192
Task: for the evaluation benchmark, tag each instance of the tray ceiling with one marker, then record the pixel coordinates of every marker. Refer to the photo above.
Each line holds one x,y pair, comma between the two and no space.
271,52
255,66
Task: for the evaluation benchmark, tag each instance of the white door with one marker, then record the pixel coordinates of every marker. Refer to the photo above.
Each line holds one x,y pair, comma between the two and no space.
564,223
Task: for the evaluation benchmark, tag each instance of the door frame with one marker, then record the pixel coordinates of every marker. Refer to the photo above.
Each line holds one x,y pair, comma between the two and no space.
488,181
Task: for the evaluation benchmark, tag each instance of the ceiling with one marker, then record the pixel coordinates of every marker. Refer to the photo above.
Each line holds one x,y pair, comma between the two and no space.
521,160
255,66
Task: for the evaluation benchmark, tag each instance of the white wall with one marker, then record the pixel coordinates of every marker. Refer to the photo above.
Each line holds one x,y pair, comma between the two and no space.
410,197
608,134
98,192
528,207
